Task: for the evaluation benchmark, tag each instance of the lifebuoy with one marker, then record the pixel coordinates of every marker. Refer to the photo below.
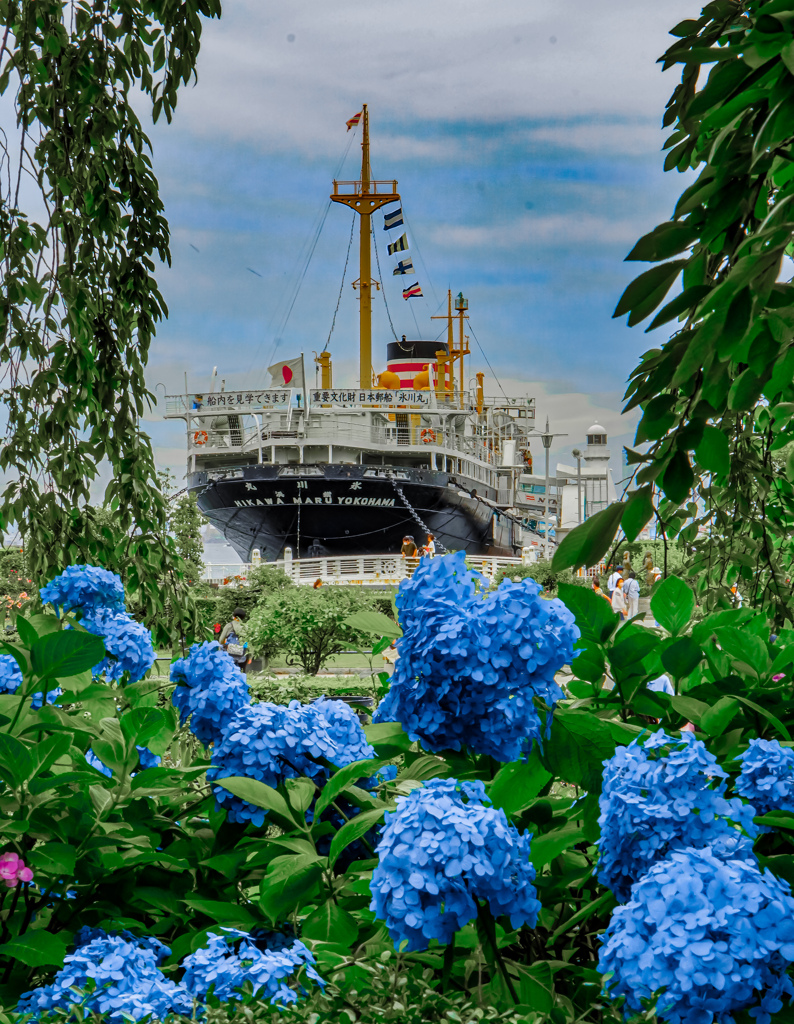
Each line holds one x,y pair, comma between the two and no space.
201,437
428,435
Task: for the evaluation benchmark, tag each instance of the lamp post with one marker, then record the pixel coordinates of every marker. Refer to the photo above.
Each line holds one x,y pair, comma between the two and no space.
547,437
578,456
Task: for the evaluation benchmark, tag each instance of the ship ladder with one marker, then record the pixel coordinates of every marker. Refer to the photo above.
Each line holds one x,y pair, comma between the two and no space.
414,514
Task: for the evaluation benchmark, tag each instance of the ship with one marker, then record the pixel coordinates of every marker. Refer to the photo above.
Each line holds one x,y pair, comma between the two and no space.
416,449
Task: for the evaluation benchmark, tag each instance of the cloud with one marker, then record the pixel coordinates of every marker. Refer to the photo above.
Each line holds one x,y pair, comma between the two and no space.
563,230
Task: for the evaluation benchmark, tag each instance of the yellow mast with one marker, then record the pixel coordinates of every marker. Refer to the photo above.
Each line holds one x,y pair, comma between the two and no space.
365,197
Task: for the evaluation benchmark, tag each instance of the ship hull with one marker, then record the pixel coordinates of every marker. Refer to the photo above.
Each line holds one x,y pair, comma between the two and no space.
348,509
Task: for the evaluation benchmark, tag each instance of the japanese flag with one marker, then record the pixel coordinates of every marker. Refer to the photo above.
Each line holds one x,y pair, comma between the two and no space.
287,374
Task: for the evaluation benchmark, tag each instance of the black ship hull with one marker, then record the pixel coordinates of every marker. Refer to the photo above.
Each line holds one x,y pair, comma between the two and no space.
349,510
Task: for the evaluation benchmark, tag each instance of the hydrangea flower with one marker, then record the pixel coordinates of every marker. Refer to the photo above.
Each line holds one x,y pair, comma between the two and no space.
11,679
714,932
470,666
85,587
273,742
128,644
210,688
128,982
13,870
767,777
665,794
230,960
442,849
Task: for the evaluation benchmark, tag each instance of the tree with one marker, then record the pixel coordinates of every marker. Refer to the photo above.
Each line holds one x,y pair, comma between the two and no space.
307,625
79,301
718,397
184,523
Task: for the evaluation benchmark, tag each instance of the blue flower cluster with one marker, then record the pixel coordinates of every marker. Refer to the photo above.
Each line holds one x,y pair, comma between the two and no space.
11,679
128,644
124,972
231,960
470,666
210,688
271,743
85,587
126,978
767,777
665,794
442,849
711,930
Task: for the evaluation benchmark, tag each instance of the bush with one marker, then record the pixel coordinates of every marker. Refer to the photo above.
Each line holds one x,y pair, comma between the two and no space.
542,573
308,625
216,604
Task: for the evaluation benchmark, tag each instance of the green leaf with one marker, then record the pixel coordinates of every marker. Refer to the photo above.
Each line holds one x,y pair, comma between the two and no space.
678,479
633,646
36,949
545,848
578,745
517,784
17,764
374,622
714,452
289,884
767,715
688,299
330,923
343,778
387,738
26,630
428,766
673,604
717,719
260,795
589,663
300,793
353,830
693,710
587,544
681,657
66,653
664,241
745,391
645,292
594,615
748,652
225,913
639,510
535,989
53,859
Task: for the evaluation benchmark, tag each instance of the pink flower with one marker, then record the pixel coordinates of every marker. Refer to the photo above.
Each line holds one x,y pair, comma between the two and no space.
13,870
778,677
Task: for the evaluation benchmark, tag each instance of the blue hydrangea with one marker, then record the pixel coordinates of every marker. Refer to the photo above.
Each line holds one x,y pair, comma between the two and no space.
85,587
127,978
470,666
210,690
767,777
11,679
128,644
444,848
145,756
713,932
229,961
273,742
667,793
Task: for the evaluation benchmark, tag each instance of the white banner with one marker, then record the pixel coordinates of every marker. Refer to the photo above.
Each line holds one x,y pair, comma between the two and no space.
370,397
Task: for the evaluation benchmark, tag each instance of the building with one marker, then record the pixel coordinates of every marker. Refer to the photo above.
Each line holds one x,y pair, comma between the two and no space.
597,485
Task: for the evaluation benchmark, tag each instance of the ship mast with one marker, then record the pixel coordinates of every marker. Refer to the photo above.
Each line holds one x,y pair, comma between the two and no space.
364,197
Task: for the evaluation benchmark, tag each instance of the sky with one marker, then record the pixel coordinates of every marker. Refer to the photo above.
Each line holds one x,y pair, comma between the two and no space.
526,140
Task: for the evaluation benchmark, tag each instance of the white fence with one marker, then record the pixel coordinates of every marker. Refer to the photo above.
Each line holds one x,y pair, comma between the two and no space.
351,570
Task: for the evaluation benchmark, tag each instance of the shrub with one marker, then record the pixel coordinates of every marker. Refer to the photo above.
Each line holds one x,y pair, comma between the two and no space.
542,573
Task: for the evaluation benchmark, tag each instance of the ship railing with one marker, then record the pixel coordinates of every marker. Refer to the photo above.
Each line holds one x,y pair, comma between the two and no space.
353,570
377,188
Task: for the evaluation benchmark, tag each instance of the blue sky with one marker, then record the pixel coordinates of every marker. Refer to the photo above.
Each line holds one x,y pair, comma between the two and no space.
525,138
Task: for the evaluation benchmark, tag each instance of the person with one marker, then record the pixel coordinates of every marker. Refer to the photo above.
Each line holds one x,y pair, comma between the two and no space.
597,590
316,550
408,549
618,600
738,601
612,582
430,547
231,639
317,583
631,592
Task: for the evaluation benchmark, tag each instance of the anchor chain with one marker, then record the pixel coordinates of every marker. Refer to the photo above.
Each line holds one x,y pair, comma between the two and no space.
412,510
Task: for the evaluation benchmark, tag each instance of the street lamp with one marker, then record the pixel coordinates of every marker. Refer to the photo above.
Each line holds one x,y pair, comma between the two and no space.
578,456
546,438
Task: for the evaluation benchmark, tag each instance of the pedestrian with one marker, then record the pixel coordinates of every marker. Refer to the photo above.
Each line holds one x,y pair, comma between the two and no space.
738,601
408,549
597,590
612,582
618,600
232,642
631,592
430,547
